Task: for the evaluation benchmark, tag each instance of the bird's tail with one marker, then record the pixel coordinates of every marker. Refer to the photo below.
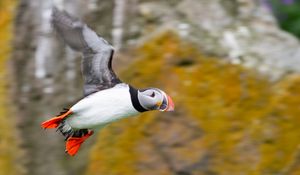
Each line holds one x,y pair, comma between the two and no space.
54,122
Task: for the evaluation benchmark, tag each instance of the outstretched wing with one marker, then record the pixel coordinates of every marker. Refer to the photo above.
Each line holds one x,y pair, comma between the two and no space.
97,53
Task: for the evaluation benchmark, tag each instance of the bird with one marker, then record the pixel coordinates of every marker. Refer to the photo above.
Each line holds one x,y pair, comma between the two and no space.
106,98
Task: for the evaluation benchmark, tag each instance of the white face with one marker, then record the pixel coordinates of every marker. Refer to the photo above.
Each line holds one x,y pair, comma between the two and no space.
153,99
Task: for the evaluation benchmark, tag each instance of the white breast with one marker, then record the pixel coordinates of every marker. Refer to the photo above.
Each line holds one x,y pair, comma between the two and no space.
102,107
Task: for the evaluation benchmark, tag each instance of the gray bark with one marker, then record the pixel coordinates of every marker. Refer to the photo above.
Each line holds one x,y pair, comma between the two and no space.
46,79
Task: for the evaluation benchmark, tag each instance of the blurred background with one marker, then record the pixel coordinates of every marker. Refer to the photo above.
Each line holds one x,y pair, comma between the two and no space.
231,66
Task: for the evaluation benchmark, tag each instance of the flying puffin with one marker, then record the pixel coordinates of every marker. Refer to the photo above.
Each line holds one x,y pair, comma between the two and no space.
106,97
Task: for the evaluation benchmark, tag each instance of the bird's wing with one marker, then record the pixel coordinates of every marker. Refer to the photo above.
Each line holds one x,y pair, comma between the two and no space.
97,53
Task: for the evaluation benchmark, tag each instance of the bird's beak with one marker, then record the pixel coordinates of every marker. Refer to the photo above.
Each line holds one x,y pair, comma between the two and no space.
171,106
167,104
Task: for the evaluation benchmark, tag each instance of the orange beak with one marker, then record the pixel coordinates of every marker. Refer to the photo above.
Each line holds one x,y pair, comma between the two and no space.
171,106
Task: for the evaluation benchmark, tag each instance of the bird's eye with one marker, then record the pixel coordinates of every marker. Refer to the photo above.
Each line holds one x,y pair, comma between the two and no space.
152,95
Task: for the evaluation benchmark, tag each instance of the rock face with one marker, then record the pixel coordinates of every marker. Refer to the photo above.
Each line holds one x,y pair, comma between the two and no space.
215,57
241,31
228,119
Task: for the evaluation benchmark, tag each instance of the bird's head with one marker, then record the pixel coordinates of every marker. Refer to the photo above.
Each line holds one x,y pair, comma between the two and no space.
155,99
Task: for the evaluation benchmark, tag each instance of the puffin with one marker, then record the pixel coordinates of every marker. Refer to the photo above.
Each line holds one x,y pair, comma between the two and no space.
106,98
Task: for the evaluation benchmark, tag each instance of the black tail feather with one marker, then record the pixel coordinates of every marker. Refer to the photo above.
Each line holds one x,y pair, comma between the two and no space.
71,132
67,131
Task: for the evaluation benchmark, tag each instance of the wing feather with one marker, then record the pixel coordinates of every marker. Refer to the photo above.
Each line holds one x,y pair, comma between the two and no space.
97,53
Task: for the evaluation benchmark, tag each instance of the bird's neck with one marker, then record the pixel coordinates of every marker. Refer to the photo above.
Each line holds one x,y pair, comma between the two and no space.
134,99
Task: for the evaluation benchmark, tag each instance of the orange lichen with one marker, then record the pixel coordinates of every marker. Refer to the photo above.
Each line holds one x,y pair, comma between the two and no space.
228,120
8,144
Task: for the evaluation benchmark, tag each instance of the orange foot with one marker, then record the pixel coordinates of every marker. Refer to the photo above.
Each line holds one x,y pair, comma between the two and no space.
73,143
54,122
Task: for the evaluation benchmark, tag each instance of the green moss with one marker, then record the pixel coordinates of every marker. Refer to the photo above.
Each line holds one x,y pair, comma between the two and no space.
9,151
228,120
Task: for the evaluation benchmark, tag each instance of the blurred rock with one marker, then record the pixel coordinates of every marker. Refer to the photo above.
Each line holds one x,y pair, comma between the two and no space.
243,32
228,119
215,57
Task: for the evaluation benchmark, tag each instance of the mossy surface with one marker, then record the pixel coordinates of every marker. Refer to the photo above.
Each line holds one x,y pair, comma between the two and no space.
9,152
228,120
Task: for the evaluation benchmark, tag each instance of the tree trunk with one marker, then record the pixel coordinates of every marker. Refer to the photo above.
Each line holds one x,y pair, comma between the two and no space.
47,78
